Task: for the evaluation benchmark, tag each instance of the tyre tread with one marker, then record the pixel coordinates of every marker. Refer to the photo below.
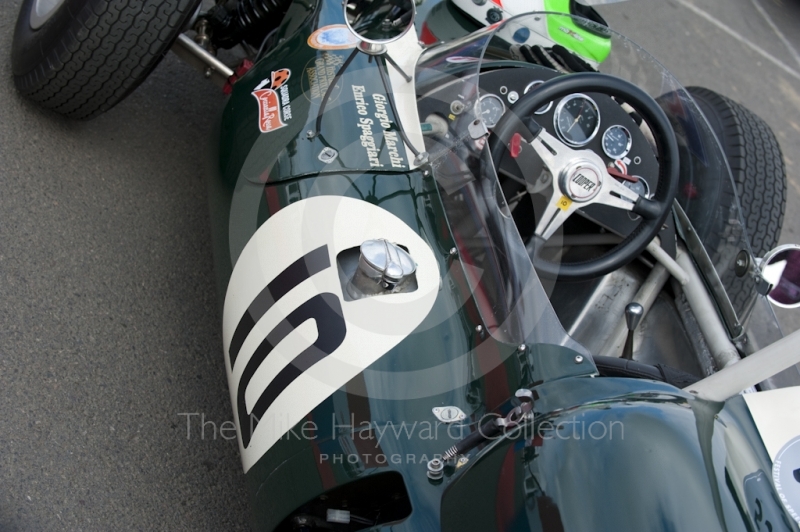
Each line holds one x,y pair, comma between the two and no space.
759,174
108,49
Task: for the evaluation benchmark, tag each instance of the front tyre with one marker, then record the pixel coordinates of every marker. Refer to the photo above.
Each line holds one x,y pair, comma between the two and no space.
82,57
759,174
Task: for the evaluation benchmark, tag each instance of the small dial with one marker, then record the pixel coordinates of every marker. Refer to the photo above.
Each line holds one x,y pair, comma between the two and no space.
640,187
492,108
617,142
577,119
543,109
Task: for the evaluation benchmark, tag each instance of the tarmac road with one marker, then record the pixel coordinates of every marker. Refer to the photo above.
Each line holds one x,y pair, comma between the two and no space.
748,50
109,326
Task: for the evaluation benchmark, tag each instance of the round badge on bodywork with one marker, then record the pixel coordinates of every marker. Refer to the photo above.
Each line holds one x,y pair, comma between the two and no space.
786,477
582,181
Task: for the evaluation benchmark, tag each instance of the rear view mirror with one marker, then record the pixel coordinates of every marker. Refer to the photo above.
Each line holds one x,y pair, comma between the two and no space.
379,21
781,268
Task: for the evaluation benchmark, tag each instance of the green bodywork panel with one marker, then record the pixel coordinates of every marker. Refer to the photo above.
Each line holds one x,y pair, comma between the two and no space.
683,464
563,30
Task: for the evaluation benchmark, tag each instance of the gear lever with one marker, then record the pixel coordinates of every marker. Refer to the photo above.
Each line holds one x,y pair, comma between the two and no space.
633,315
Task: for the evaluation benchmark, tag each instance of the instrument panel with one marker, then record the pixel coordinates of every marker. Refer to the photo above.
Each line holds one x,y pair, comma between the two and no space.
582,121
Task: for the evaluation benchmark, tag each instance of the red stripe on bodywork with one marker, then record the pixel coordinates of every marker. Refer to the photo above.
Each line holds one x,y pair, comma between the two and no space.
273,200
427,36
504,499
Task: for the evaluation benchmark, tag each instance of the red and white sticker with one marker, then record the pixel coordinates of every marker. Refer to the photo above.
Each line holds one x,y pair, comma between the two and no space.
274,104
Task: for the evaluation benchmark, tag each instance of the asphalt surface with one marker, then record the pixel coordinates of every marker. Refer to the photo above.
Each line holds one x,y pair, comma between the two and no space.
109,323
747,50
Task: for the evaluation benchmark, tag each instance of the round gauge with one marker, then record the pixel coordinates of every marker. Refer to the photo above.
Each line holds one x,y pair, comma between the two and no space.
640,187
543,109
492,108
577,119
616,142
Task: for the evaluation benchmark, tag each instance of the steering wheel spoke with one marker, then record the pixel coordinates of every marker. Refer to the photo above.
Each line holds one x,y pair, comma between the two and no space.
554,153
615,194
559,208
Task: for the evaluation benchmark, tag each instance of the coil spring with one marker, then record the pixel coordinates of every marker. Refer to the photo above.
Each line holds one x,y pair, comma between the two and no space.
260,16
250,21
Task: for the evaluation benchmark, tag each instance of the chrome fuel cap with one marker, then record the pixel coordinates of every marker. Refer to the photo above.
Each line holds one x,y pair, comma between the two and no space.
386,263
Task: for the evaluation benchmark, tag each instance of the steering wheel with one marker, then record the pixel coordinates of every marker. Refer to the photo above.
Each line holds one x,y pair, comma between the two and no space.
580,177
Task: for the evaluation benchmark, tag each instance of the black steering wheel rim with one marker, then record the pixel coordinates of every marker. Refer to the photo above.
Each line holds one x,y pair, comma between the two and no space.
666,151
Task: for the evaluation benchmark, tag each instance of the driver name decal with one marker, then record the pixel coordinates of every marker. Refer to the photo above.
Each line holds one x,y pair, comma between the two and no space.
274,104
374,124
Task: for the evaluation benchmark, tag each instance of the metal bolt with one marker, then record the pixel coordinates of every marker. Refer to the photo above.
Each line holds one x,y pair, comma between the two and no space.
435,469
426,173
522,348
479,329
208,72
457,107
422,158
453,251
578,359
310,134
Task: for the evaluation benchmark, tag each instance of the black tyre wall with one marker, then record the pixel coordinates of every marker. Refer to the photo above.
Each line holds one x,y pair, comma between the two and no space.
759,175
93,53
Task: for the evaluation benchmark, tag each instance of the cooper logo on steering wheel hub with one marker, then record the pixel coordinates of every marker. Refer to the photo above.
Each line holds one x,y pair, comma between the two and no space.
581,181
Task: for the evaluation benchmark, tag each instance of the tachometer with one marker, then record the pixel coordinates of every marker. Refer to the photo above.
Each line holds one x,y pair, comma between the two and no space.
577,119
492,108
617,142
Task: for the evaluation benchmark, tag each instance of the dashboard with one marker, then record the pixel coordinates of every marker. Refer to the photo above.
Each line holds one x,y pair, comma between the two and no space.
587,120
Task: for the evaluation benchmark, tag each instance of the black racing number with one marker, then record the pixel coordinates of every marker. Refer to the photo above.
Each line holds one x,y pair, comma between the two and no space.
326,311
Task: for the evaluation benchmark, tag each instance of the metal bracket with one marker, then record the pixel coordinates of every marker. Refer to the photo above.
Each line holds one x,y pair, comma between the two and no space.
201,59
706,268
477,129
763,286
